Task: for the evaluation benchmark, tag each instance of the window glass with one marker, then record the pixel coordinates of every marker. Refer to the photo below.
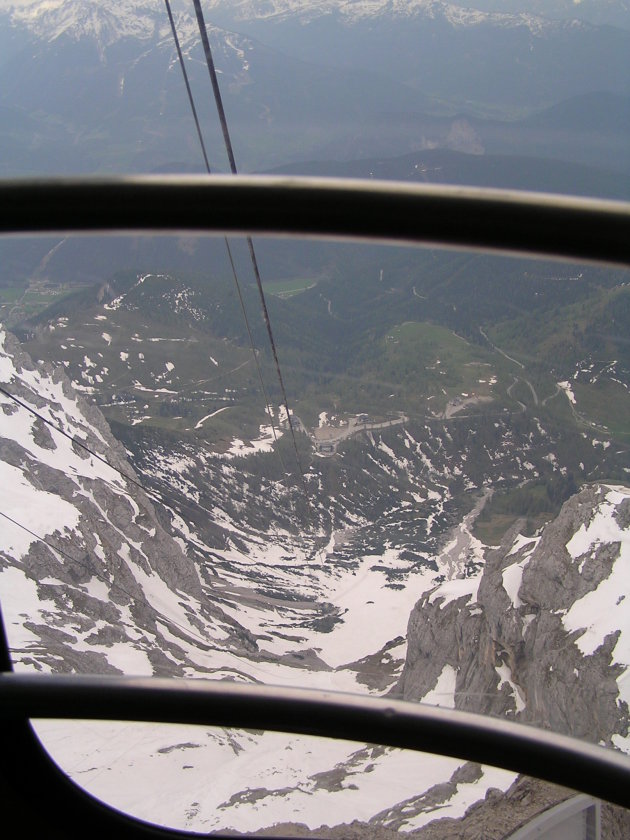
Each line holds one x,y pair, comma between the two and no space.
239,781
430,502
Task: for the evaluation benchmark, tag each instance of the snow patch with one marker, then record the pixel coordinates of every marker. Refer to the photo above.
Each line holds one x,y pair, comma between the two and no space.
444,692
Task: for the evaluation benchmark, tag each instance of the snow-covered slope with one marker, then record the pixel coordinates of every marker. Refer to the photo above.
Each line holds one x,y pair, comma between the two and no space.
110,20
611,12
358,11
107,21
542,633
90,582
103,588
256,599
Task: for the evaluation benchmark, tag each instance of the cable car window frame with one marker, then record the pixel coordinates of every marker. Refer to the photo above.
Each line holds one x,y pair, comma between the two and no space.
481,219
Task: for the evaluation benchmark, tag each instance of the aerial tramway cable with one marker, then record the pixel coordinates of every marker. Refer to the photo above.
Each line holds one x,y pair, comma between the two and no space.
93,570
187,83
191,101
160,494
250,245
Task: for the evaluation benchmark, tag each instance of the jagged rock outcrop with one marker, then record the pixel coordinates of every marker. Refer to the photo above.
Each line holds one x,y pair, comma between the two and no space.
100,586
103,587
492,818
521,640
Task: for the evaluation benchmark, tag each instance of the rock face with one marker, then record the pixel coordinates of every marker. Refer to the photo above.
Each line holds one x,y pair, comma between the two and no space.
95,582
90,581
539,635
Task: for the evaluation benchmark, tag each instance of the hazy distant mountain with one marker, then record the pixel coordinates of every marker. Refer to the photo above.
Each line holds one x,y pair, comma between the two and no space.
511,56
470,13
612,12
82,94
87,86
444,166
601,111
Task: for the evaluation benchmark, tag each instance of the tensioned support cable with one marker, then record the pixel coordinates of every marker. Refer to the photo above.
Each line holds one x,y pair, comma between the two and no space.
191,101
76,442
163,496
93,570
215,85
255,355
250,245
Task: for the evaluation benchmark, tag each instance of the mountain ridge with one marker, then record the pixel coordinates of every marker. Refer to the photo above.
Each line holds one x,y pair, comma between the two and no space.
288,87
105,22
260,615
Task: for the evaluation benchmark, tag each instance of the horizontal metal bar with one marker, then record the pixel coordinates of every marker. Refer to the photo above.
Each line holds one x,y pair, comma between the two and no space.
498,220
584,767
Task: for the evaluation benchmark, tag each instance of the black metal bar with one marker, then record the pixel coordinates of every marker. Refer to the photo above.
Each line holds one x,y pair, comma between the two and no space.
466,217
584,767
6,665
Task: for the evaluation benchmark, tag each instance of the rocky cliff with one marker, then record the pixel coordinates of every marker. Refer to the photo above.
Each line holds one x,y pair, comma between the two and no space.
89,580
541,634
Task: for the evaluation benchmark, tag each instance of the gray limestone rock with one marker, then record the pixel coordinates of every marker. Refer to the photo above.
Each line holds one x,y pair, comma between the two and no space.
104,580
553,684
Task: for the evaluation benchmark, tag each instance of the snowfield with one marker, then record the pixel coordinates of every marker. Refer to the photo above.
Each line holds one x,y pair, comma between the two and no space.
604,611
325,609
259,779
221,779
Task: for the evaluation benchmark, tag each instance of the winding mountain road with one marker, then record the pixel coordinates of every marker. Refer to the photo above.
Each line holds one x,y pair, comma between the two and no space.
516,379
502,352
